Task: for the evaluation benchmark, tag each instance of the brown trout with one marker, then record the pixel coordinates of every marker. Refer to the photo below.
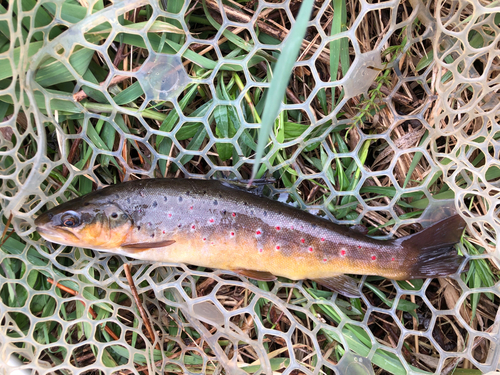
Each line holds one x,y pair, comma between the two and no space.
210,224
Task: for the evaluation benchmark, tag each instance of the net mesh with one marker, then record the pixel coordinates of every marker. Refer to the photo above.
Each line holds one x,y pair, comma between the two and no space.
127,87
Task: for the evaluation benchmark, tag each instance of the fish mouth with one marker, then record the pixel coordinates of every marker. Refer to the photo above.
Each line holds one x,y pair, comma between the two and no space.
57,235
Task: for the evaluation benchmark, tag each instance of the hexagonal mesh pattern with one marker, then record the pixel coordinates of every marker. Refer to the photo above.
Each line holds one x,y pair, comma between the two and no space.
436,123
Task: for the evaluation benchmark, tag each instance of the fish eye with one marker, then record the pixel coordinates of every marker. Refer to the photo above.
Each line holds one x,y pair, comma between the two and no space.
70,220
114,215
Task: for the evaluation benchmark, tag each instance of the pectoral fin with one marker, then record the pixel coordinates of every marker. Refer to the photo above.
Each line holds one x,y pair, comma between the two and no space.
138,247
257,275
341,284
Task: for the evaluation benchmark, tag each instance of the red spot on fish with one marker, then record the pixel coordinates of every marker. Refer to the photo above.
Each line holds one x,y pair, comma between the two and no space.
278,228
322,239
193,226
324,259
231,234
261,250
374,257
343,252
310,249
163,232
258,232
278,247
204,239
169,215
359,247
191,207
211,220
393,259
303,240
291,227
234,214
211,243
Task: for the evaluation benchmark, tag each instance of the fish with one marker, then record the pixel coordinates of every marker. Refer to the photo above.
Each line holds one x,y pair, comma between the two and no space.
208,223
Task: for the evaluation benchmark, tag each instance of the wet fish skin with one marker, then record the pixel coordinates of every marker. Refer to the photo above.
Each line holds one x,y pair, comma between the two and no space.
206,223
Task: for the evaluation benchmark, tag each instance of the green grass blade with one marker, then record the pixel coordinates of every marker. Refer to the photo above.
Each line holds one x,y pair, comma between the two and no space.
282,72
339,49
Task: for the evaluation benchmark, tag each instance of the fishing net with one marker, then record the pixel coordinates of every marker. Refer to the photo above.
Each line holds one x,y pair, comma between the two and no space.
391,120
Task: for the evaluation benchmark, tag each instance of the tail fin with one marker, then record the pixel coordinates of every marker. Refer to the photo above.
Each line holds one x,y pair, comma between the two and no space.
434,246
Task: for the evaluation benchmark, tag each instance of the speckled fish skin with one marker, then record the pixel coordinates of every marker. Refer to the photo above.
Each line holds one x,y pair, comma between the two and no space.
217,226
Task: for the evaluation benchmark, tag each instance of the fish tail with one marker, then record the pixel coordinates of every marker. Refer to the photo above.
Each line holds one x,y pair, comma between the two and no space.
436,255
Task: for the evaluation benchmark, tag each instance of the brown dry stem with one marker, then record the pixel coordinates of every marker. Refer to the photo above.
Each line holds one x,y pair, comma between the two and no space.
144,316
91,310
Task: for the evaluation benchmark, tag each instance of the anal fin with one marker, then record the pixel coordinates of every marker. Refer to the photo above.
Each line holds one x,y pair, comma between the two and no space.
341,284
138,247
256,275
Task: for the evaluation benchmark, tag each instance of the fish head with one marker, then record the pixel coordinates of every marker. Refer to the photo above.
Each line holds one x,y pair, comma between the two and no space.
82,223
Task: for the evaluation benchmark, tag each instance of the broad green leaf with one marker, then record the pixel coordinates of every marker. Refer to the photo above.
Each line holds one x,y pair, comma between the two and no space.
130,94
53,71
221,117
6,63
194,144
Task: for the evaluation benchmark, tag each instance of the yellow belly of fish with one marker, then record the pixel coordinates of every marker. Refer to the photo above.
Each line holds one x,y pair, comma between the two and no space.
242,253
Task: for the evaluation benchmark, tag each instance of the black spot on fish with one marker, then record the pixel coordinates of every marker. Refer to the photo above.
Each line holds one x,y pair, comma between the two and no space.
314,225
155,204
187,193
265,213
86,203
128,200
216,202
138,227
117,196
245,203
251,213
224,212
179,225
165,198
204,191
180,199
87,218
220,195
153,235
50,215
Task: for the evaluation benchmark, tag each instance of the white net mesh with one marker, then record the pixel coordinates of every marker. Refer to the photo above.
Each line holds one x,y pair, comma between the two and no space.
95,93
